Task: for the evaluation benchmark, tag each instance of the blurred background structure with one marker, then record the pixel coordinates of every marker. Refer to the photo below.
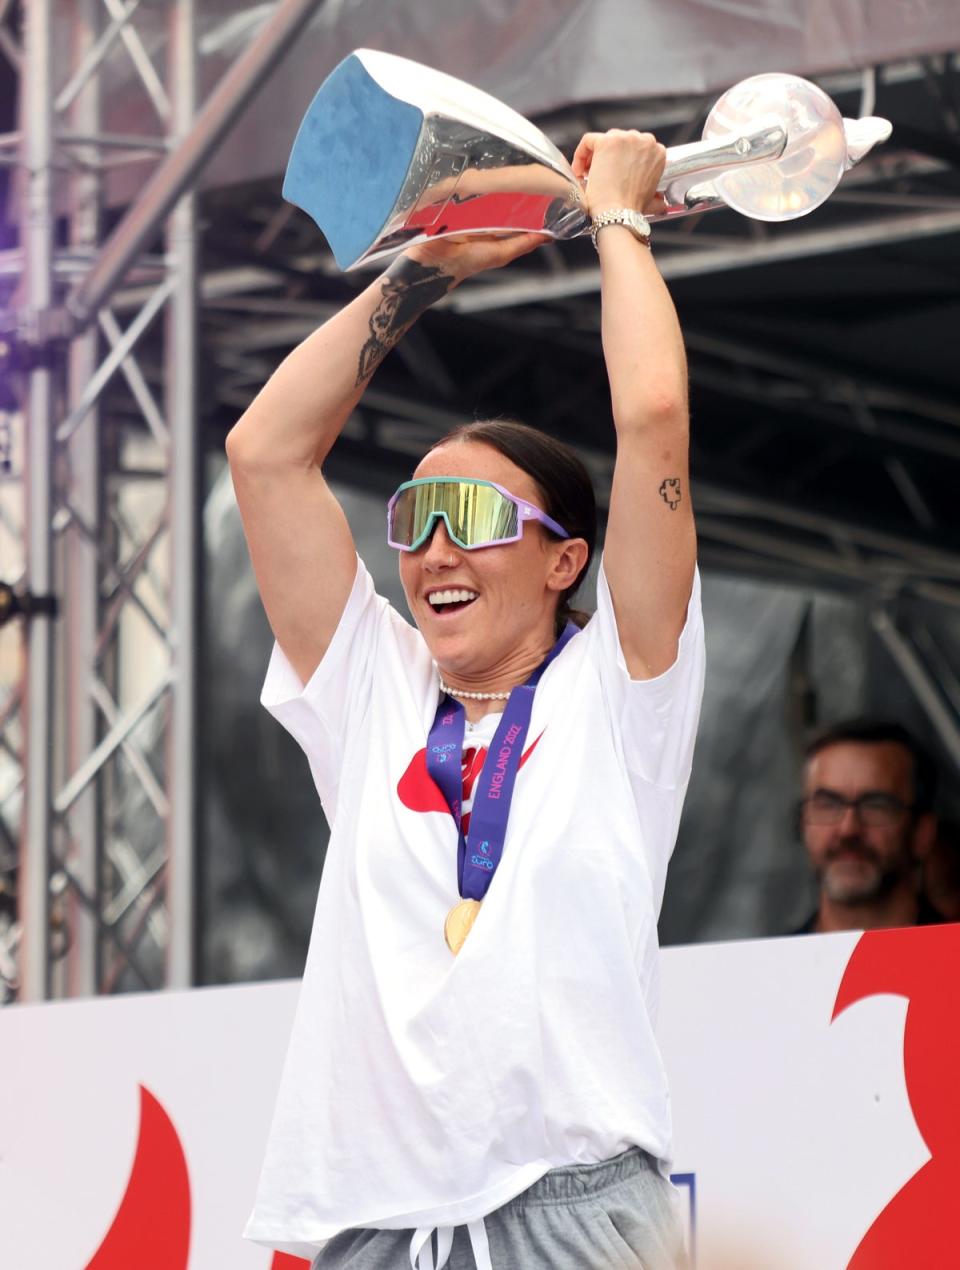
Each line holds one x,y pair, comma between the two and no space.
156,827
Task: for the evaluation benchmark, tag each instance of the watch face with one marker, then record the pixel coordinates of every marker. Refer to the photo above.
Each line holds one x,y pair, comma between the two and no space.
633,221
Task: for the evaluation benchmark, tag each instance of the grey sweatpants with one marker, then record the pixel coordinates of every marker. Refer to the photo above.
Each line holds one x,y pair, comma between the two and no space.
617,1215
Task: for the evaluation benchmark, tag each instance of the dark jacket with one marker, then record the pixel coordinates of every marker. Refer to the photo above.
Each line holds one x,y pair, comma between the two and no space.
926,916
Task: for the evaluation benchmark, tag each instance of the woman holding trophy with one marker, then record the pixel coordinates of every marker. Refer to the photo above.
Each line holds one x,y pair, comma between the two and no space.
472,1079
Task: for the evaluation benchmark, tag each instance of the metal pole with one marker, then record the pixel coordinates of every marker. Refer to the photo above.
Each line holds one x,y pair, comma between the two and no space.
184,505
920,680
219,113
81,566
37,238
696,262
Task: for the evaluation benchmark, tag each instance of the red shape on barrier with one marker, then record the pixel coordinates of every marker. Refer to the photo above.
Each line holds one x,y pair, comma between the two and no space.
152,1227
284,1261
920,1226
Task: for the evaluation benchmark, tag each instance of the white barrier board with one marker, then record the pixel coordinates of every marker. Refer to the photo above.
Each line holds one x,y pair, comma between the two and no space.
132,1128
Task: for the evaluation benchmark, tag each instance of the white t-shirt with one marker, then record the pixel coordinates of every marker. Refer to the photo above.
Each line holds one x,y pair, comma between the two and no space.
422,1089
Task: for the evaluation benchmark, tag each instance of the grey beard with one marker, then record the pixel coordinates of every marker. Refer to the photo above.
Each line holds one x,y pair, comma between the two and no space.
873,883
841,888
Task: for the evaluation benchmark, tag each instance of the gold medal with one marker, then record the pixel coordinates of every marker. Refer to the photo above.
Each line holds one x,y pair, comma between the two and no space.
459,921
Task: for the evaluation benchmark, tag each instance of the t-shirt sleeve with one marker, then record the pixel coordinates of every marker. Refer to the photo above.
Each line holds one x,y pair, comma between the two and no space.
655,721
656,718
322,714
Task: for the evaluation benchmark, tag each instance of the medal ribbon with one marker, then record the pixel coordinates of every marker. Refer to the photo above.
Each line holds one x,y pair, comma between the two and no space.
479,855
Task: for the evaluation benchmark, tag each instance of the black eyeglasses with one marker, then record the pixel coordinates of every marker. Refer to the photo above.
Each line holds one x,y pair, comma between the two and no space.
826,808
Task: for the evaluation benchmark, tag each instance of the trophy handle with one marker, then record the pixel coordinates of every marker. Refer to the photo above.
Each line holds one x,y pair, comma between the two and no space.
764,143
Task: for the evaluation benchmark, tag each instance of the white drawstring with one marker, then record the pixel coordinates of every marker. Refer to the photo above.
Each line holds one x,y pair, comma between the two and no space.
421,1246
478,1242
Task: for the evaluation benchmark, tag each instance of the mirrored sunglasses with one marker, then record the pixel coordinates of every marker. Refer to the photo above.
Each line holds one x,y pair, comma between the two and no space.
476,513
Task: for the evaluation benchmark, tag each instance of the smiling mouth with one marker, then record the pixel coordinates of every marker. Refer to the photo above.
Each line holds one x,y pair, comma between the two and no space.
454,600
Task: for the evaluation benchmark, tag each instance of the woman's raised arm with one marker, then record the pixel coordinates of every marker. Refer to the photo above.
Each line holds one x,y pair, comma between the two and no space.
650,547
299,540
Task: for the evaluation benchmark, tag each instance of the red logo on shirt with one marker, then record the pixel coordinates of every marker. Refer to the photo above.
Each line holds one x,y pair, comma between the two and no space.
418,792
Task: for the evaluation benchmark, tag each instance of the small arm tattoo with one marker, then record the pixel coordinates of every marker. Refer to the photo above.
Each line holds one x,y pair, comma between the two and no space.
408,289
670,492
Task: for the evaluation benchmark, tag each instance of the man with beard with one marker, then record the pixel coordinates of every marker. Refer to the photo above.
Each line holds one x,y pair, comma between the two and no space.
867,822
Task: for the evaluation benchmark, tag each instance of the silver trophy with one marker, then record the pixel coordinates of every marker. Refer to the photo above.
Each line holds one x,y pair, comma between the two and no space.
391,153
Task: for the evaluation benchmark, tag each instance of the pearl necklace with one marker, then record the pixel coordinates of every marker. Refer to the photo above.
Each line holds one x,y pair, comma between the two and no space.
474,696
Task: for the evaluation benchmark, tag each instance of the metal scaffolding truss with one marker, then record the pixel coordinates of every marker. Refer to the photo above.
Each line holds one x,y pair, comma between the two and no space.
99,747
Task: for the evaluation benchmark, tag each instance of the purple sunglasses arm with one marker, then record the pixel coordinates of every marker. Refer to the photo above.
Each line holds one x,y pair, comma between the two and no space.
529,512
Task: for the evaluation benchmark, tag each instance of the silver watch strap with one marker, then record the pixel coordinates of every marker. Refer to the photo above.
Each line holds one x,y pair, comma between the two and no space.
637,223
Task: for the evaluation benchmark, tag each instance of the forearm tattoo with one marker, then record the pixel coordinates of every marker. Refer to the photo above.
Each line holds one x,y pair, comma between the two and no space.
670,492
408,289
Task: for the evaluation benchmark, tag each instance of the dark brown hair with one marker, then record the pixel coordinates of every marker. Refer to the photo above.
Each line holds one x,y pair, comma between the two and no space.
566,490
866,731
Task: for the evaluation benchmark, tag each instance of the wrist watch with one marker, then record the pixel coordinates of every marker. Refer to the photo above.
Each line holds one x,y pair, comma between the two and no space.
637,223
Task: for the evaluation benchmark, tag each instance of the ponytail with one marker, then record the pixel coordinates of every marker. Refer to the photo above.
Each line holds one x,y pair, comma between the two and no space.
565,614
